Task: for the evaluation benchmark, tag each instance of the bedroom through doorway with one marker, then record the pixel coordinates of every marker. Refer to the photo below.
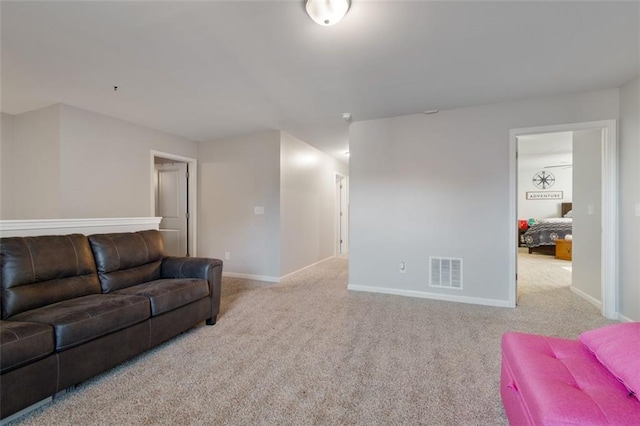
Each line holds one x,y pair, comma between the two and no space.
544,211
592,210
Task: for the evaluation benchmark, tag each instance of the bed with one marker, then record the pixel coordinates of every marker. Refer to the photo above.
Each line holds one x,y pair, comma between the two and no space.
542,236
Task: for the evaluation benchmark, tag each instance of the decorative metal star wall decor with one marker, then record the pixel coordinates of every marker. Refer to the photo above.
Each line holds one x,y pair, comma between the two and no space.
544,179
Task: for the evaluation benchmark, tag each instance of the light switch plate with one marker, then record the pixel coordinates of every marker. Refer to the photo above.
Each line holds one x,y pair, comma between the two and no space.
590,210
258,210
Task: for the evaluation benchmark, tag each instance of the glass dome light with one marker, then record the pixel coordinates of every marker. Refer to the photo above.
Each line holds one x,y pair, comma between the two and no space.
327,12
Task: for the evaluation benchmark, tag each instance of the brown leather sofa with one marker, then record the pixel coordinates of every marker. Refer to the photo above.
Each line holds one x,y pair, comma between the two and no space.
75,306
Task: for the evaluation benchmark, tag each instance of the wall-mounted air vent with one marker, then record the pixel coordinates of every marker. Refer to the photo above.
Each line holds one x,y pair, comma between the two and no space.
445,272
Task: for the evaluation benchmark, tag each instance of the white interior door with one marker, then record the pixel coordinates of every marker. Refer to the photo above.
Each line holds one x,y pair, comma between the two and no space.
171,205
587,215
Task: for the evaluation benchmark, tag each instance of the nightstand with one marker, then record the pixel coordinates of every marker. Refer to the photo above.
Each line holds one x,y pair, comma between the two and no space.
521,232
563,249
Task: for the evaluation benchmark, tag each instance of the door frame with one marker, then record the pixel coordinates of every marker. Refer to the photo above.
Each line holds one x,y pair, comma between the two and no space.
337,223
609,181
192,189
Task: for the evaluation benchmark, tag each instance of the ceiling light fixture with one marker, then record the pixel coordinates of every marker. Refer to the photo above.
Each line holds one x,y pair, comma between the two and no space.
327,12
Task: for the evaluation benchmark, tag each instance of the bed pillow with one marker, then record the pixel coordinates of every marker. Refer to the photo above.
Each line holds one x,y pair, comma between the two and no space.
568,214
617,347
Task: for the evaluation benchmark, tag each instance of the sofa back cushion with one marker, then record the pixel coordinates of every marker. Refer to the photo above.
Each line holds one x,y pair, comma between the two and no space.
127,259
617,347
39,271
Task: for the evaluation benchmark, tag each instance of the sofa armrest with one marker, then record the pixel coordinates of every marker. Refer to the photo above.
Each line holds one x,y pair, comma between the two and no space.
197,267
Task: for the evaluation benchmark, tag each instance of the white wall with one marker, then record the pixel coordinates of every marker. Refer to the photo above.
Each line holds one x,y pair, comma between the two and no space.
294,182
587,213
307,204
629,225
72,163
236,175
30,164
6,166
438,185
105,164
528,166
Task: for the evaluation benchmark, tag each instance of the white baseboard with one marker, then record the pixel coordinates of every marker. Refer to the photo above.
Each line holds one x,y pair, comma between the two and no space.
306,267
251,277
268,278
595,302
434,296
624,319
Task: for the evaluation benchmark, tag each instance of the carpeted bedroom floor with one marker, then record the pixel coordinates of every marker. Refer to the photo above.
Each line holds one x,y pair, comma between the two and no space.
541,273
307,351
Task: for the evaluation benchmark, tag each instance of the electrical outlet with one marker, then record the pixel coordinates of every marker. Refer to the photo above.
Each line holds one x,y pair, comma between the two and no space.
403,267
227,255
258,210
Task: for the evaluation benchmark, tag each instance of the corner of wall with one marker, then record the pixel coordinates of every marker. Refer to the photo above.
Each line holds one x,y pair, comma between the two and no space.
629,200
35,161
236,175
307,200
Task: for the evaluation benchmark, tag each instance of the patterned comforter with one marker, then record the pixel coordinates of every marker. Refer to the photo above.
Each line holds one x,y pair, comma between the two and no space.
547,231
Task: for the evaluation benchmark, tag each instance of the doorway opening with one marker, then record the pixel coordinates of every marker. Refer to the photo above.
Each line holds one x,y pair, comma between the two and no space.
173,188
342,215
545,212
596,206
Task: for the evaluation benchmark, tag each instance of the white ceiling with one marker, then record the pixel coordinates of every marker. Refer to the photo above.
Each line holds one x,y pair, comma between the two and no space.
547,143
206,70
544,150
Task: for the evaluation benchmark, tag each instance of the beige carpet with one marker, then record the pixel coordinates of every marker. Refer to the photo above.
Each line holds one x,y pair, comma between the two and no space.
307,351
541,272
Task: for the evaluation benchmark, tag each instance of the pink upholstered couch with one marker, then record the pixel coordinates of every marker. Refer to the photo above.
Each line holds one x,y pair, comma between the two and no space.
591,381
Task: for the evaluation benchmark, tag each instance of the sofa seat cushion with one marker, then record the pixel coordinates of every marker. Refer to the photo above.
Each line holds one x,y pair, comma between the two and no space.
168,294
24,342
82,319
561,382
